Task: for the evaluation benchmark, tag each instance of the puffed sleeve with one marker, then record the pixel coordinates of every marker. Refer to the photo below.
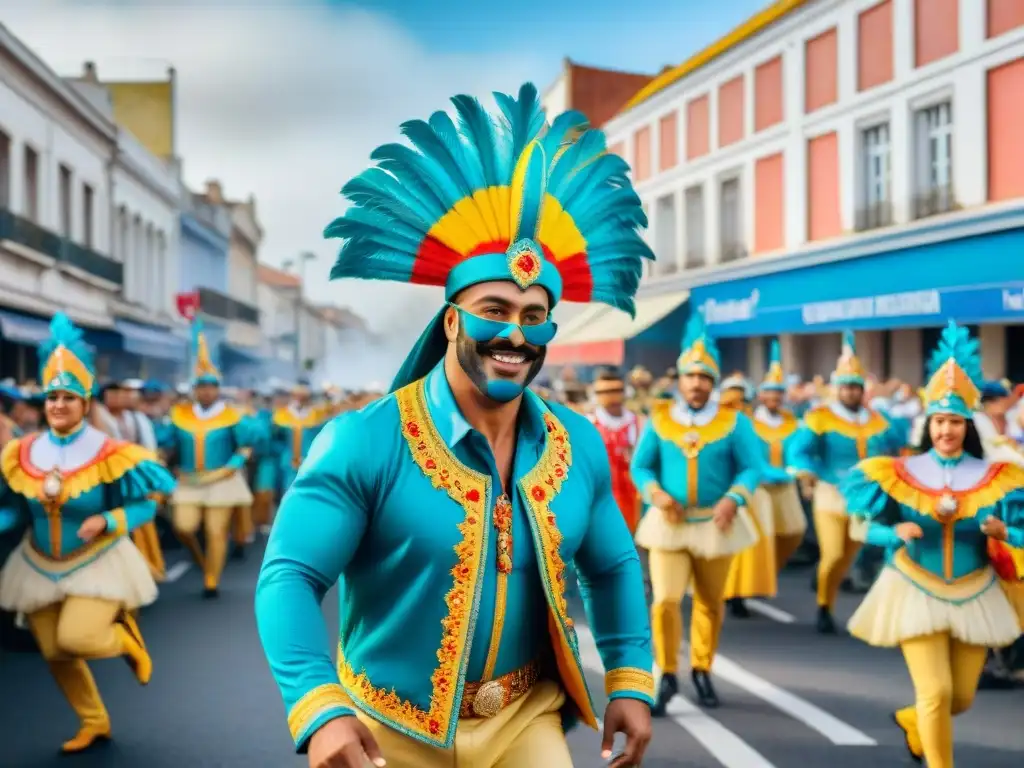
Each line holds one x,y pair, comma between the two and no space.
867,499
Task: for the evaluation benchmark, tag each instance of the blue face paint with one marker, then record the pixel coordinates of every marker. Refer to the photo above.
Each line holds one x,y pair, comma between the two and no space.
483,330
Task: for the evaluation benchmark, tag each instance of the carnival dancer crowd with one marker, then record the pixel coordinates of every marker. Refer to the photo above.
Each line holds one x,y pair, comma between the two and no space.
460,507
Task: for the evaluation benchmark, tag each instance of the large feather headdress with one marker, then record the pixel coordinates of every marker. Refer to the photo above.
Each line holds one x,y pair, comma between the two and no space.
955,375
849,369
203,369
66,360
700,352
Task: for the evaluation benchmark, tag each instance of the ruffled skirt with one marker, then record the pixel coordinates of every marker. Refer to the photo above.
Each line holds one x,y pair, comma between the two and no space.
787,511
895,609
754,572
119,574
702,539
230,492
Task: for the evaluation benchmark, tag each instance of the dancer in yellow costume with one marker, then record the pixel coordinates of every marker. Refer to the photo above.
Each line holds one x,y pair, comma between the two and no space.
833,437
697,466
77,576
777,507
946,515
211,443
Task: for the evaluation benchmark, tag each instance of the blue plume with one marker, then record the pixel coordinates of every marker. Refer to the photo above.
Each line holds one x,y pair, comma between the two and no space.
849,343
776,353
64,333
956,343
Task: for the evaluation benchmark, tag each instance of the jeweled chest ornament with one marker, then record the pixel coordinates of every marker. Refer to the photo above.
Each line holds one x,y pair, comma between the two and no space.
53,484
691,444
503,524
948,505
524,262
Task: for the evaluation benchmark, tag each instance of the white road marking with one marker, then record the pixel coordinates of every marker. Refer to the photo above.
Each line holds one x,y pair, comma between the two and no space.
832,728
724,745
770,611
176,571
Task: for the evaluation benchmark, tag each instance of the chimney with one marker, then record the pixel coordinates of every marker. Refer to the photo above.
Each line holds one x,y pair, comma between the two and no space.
89,72
214,192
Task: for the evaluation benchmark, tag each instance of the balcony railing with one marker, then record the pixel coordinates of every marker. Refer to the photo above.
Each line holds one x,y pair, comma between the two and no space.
932,202
874,216
222,306
733,251
29,234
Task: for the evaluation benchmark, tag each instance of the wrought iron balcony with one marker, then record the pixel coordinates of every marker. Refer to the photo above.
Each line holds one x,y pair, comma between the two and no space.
220,305
41,240
874,216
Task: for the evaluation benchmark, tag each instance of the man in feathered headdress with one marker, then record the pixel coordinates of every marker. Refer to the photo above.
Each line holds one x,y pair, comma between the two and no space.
210,443
453,505
832,438
697,466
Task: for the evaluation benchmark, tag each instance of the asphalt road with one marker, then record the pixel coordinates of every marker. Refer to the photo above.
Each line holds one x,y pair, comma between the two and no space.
791,699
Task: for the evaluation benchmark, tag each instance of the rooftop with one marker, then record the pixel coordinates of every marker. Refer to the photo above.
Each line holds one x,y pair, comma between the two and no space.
277,278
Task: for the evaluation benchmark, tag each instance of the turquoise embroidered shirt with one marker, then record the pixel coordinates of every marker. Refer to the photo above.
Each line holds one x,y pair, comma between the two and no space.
107,477
203,442
830,442
407,531
888,491
716,456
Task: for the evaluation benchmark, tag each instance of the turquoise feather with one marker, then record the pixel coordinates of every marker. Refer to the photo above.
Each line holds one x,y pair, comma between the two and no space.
64,333
696,330
956,343
776,353
849,344
452,157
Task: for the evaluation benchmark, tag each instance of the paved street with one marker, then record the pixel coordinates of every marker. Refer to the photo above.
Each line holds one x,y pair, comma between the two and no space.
790,698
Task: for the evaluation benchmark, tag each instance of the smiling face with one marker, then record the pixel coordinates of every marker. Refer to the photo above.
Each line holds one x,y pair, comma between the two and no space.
947,432
503,364
64,411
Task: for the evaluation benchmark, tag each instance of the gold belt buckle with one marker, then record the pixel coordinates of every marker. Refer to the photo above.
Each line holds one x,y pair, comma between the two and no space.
489,699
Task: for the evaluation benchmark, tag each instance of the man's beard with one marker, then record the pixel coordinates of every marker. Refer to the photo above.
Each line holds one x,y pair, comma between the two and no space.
471,354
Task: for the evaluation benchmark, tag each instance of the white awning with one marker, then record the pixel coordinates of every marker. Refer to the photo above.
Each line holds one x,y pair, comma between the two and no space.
607,324
579,321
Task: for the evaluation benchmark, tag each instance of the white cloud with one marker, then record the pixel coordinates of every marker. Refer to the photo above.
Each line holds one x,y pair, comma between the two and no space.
285,102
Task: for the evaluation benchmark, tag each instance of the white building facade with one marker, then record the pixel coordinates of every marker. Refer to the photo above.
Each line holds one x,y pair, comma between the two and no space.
841,164
56,153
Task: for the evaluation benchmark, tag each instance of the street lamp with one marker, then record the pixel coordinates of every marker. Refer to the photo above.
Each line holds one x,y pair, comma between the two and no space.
301,261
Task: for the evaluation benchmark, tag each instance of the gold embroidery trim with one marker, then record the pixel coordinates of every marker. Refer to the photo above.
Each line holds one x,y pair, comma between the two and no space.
313,704
185,419
468,489
774,437
667,428
822,420
629,679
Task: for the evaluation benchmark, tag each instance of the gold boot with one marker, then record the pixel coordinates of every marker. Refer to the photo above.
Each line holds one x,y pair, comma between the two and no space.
79,688
906,721
134,649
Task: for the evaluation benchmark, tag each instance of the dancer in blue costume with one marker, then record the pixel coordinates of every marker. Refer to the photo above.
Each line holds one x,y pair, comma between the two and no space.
295,426
697,466
451,507
210,443
266,477
949,591
77,576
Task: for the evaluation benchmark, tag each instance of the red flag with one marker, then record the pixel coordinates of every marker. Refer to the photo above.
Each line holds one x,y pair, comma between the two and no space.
188,305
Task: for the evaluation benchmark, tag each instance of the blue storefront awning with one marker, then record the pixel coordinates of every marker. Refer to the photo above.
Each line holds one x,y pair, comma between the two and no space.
147,341
23,329
972,280
233,354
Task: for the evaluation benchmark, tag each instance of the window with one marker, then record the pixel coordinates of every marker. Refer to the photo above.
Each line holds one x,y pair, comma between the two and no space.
695,227
934,159
65,201
876,206
87,214
730,221
665,227
31,185
5,170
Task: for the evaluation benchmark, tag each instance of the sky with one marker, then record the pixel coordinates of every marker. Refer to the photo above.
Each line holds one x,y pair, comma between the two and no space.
286,100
